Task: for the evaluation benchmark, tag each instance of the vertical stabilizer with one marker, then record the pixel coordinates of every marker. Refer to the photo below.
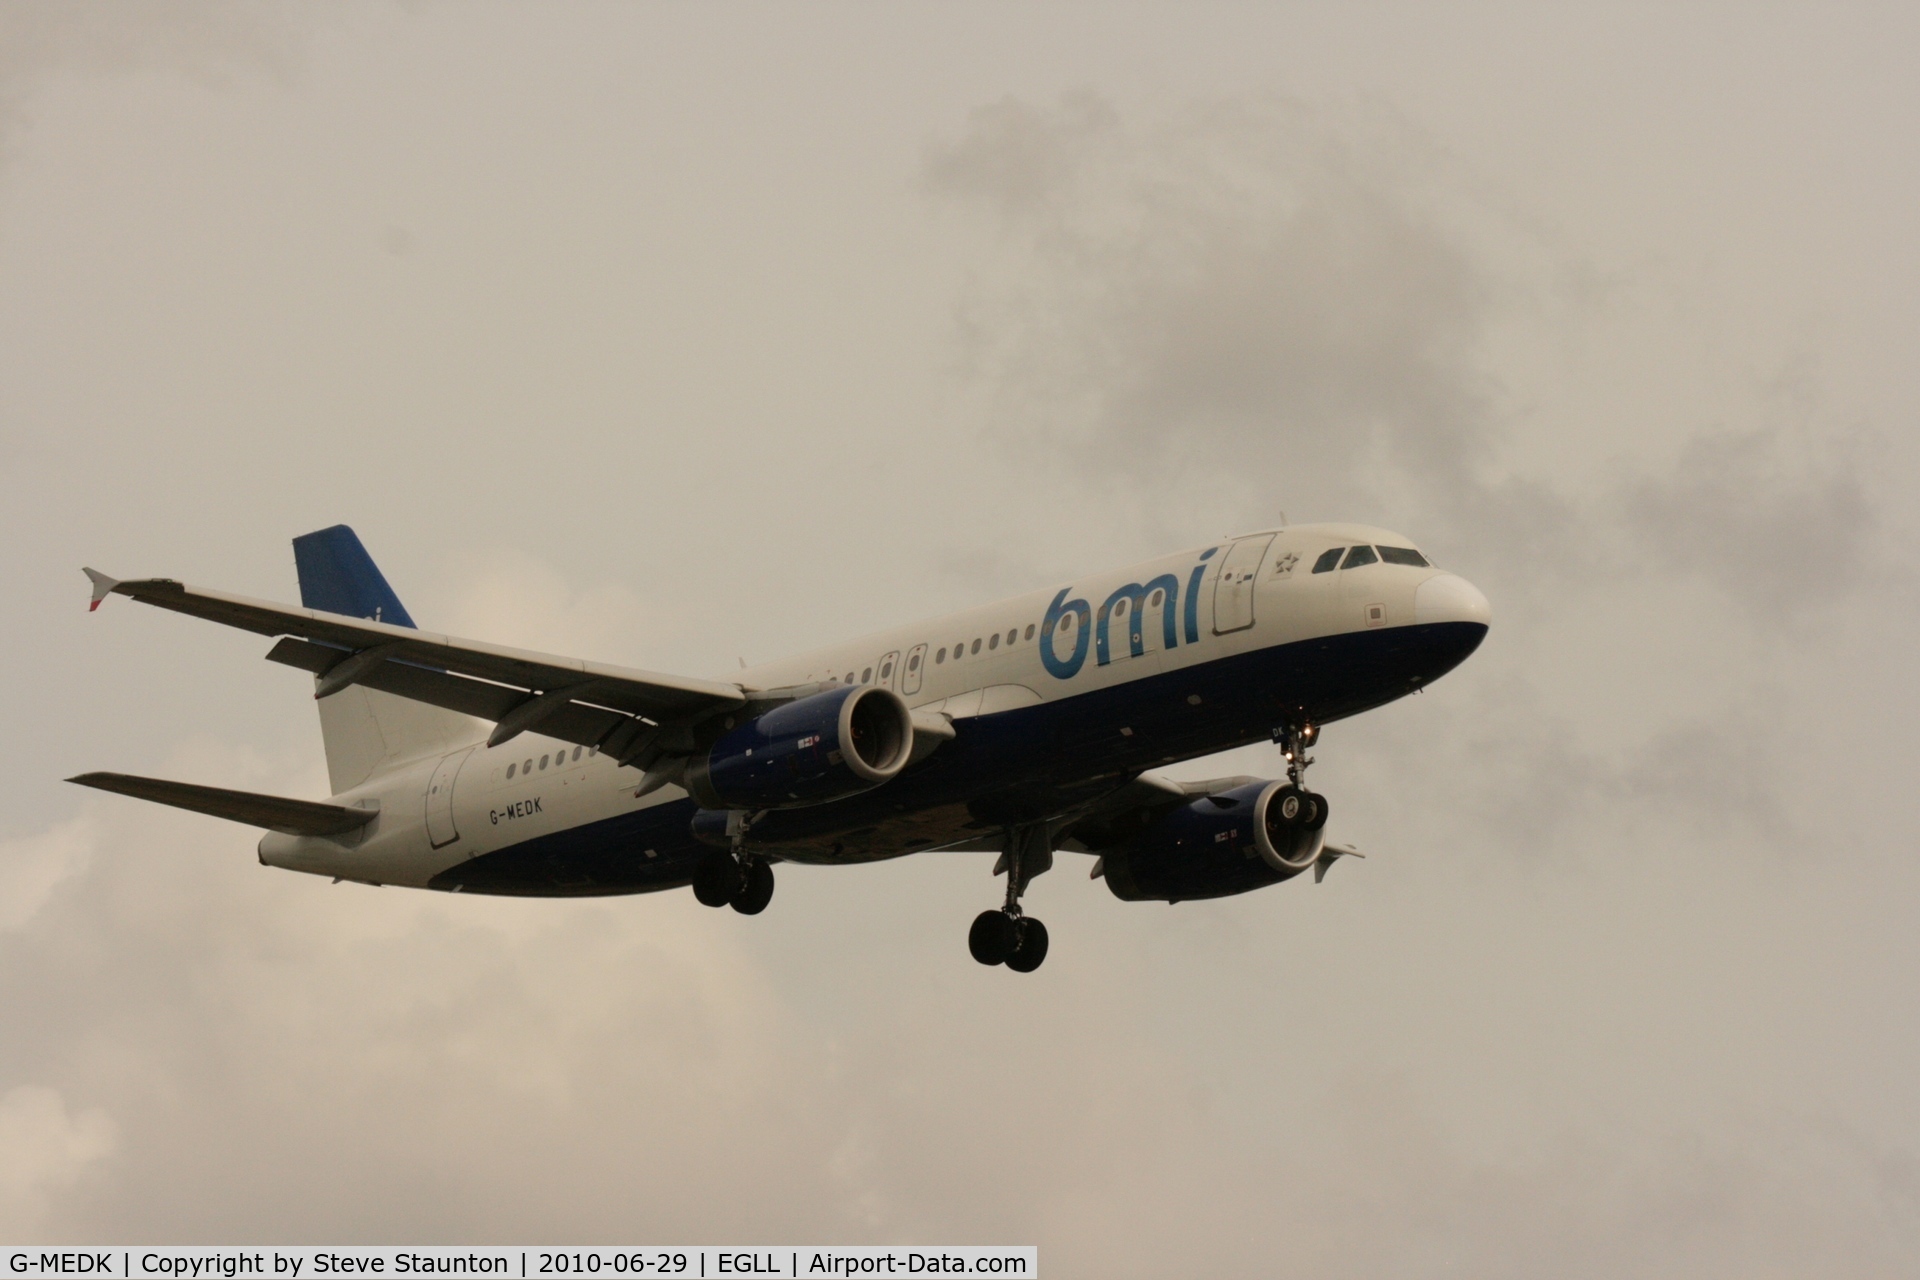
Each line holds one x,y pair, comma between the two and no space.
367,731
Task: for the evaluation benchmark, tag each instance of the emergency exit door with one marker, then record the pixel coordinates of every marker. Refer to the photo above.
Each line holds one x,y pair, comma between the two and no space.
440,828
911,674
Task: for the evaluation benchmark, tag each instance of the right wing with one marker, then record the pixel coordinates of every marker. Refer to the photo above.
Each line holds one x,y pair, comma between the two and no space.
635,716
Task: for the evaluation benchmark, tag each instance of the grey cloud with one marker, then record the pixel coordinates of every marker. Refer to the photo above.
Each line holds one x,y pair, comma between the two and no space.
1281,307
1723,770
1508,772
1019,159
1685,1203
1226,290
1781,521
209,43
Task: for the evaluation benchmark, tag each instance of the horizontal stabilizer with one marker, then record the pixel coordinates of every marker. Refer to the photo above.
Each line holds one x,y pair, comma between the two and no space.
293,817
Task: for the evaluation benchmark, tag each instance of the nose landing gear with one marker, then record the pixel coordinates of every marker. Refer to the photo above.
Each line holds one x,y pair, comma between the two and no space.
1297,806
1007,936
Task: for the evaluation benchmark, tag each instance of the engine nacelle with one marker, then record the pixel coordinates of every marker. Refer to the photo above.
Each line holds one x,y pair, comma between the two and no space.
1215,847
835,743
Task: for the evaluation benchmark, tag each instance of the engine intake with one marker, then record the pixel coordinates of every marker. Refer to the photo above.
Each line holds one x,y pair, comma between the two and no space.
1214,847
831,744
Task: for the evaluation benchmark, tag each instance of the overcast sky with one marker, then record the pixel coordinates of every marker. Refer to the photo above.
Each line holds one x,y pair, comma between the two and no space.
672,335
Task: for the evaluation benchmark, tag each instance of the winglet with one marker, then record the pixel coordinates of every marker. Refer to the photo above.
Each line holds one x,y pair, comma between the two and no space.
102,584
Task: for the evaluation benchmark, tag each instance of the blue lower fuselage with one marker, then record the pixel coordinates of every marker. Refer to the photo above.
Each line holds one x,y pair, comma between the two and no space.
1009,767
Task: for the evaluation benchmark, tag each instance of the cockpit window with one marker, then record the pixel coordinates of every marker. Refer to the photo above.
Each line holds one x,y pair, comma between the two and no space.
1328,560
1403,555
1358,556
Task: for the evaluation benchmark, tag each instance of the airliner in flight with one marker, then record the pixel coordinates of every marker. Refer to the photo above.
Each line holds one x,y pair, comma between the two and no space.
1031,726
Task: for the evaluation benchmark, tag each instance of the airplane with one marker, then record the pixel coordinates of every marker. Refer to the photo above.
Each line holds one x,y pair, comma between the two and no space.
1027,727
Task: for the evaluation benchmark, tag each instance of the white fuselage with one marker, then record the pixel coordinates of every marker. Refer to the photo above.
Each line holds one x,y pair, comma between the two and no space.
1235,598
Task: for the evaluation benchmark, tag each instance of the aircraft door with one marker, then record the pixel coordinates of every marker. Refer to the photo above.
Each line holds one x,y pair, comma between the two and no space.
1233,589
883,676
440,828
915,670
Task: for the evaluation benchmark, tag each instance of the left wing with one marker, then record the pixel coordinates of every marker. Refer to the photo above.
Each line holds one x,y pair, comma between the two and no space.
630,714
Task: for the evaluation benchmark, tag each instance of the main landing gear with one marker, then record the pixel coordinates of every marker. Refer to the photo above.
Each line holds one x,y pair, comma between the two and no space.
741,880
1295,805
1006,936
722,880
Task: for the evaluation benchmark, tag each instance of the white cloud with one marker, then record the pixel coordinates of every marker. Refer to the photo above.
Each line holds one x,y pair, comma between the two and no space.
44,1150
32,867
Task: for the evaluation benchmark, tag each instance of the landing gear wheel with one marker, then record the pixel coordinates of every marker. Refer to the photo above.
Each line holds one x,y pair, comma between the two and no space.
1031,947
717,879
756,889
1318,819
992,938
1293,806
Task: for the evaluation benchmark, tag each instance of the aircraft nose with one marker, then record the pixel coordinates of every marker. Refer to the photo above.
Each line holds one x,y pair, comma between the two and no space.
1448,597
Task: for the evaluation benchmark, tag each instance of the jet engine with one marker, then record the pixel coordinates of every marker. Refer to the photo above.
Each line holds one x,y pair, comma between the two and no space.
831,744
1219,845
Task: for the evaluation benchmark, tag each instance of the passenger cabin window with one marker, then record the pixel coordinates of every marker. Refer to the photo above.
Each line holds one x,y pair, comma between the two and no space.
994,642
1029,631
1013,635
576,753
511,768
1403,555
941,656
1328,560
528,766
976,646
866,674
1358,556
543,762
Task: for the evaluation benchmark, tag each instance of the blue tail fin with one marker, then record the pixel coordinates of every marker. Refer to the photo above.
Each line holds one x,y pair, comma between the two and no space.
338,576
366,731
